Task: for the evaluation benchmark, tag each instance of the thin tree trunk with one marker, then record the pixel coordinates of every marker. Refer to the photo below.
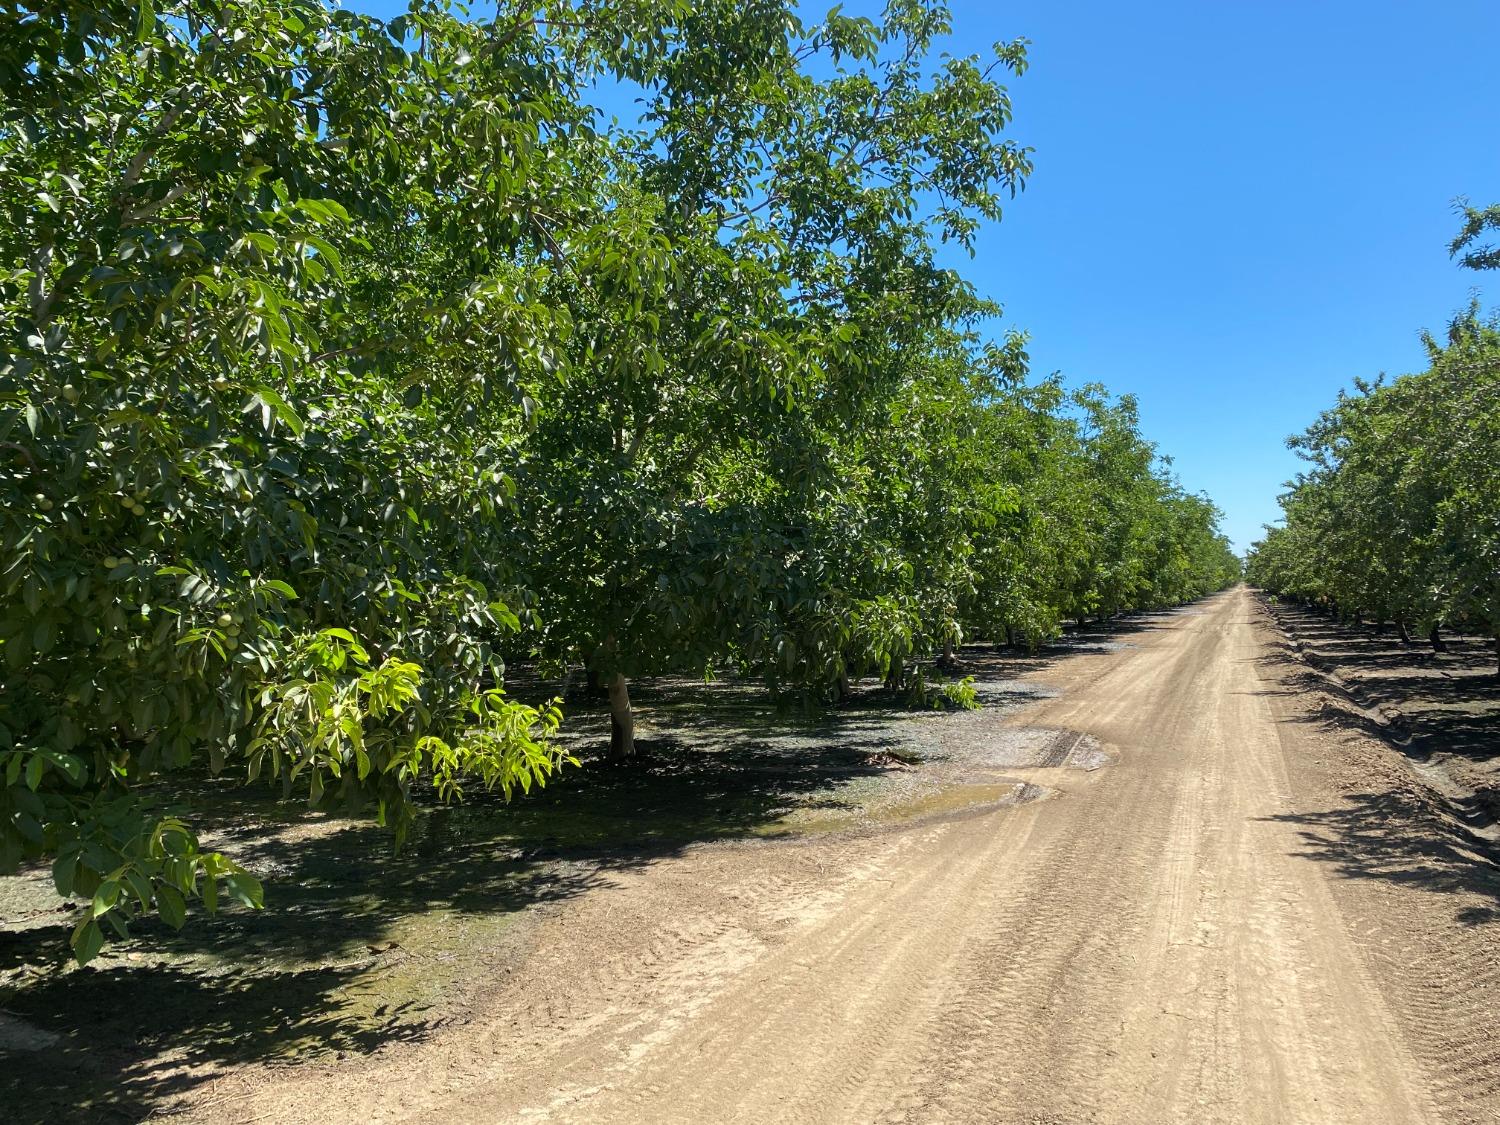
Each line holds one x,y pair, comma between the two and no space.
1435,639
948,660
621,719
1010,636
843,685
1401,631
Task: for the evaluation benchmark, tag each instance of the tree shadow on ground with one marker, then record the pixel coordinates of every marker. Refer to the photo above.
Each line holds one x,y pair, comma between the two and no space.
1408,835
1449,702
324,969
1398,837
157,1014
1450,733
157,1031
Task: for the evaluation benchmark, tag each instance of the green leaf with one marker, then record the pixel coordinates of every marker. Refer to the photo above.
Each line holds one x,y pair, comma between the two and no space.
279,407
140,887
71,765
86,941
246,889
171,905
64,868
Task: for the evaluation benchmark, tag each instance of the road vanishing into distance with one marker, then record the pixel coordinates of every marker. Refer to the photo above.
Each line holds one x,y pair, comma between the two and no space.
1216,926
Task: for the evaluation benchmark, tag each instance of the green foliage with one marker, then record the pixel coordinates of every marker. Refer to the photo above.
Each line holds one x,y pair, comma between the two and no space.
1398,515
253,486
1466,245
940,694
345,358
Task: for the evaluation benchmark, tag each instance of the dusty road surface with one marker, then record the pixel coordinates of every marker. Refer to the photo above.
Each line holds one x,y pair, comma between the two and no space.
1218,926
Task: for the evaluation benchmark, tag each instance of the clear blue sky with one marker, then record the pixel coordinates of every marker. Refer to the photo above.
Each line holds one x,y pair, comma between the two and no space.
1237,208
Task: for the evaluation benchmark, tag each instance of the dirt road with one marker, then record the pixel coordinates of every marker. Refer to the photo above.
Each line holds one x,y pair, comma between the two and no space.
1181,936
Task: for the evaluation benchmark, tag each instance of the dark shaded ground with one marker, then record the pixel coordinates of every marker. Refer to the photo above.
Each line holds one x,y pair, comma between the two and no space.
360,947
1433,827
1372,837
1441,708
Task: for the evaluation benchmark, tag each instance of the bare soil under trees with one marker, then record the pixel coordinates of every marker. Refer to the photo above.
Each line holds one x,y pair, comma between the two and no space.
1186,879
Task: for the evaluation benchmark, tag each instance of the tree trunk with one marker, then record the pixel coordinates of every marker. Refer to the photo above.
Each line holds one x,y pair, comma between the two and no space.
948,660
1010,636
843,685
1401,631
1435,639
621,719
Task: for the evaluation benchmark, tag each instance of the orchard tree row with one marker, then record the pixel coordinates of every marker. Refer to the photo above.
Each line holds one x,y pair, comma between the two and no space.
345,360
1397,518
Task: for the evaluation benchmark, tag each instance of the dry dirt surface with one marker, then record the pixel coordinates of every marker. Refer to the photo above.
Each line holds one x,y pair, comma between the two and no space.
1254,912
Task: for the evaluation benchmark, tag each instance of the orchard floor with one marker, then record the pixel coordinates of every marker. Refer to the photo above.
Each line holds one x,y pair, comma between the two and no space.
1172,875
1441,708
361,948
